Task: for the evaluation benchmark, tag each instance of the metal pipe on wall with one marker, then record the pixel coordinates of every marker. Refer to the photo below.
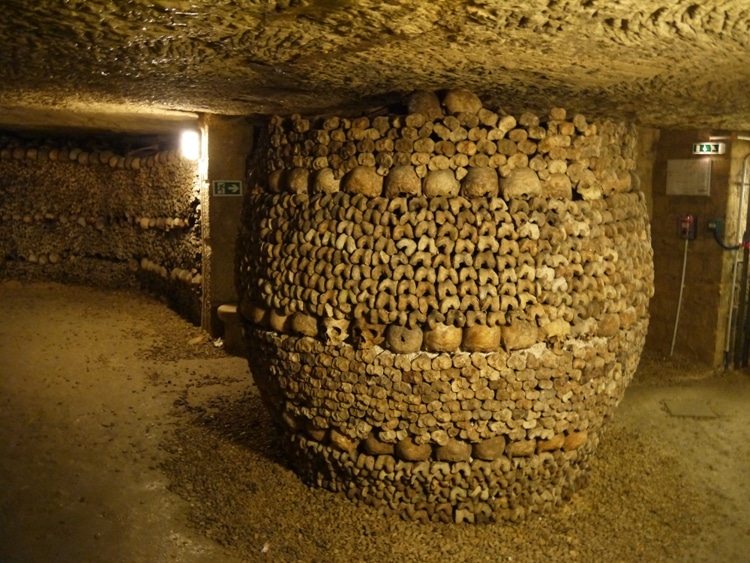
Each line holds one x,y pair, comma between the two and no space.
740,236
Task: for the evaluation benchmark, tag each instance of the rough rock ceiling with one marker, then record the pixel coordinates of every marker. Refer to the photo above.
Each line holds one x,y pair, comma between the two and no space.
667,63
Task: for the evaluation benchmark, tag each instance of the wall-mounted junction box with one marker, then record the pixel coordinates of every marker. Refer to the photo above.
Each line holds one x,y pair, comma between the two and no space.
687,227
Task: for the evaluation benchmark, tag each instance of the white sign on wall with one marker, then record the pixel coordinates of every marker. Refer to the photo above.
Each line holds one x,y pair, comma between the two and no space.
689,177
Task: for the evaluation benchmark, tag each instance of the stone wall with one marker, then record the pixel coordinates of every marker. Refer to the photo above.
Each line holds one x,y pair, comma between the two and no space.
231,143
95,217
443,308
701,313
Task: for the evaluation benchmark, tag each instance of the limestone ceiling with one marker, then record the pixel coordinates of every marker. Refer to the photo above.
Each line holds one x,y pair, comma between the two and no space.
152,65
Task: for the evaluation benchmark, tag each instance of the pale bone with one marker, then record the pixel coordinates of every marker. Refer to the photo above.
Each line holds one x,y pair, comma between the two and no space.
367,335
426,103
325,181
589,186
450,302
363,180
278,321
297,180
402,340
442,338
440,183
557,329
275,181
529,230
480,338
336,330
461,101
487,243
506,123
558,186
402,180
306,325
480,182
521,182
557,114
520,334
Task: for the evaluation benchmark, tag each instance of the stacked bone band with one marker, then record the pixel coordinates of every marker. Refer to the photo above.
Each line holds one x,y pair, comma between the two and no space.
443,308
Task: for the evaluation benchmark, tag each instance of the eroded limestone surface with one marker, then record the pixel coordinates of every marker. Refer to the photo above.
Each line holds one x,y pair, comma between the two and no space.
657,63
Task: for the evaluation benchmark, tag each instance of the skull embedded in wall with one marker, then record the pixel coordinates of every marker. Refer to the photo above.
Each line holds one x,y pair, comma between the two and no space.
336,331
366,335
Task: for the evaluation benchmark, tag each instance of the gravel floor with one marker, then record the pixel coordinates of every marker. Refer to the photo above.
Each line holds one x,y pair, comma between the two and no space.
662,488
641,504
244,497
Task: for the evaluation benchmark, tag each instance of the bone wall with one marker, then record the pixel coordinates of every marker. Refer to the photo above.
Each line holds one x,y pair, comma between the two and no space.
75,215
443,308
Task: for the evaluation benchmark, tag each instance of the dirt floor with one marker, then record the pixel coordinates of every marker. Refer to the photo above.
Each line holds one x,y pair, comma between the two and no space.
128,436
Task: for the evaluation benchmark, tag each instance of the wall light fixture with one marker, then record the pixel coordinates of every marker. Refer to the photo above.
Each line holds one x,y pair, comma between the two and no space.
190,144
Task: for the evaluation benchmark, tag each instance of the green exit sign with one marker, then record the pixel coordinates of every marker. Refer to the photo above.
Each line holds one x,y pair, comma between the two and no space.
709,148
227,187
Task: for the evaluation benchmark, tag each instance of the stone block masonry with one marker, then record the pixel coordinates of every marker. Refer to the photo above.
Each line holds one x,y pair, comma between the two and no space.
442,309
95,217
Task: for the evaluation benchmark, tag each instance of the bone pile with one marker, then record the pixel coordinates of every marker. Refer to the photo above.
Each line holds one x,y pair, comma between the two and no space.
96,217
444,308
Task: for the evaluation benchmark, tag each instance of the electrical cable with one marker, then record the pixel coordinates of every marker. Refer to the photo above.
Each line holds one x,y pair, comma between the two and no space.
729,246
679,301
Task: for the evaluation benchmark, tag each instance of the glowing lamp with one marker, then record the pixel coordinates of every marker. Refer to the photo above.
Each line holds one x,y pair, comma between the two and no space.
190,145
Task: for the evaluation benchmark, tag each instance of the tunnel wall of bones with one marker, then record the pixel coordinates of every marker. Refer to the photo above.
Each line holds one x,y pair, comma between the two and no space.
95,217
444,307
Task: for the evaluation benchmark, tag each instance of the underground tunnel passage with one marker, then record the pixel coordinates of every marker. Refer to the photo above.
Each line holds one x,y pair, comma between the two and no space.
441,298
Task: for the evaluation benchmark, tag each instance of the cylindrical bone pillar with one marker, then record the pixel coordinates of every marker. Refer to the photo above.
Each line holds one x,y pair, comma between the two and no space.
442,309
